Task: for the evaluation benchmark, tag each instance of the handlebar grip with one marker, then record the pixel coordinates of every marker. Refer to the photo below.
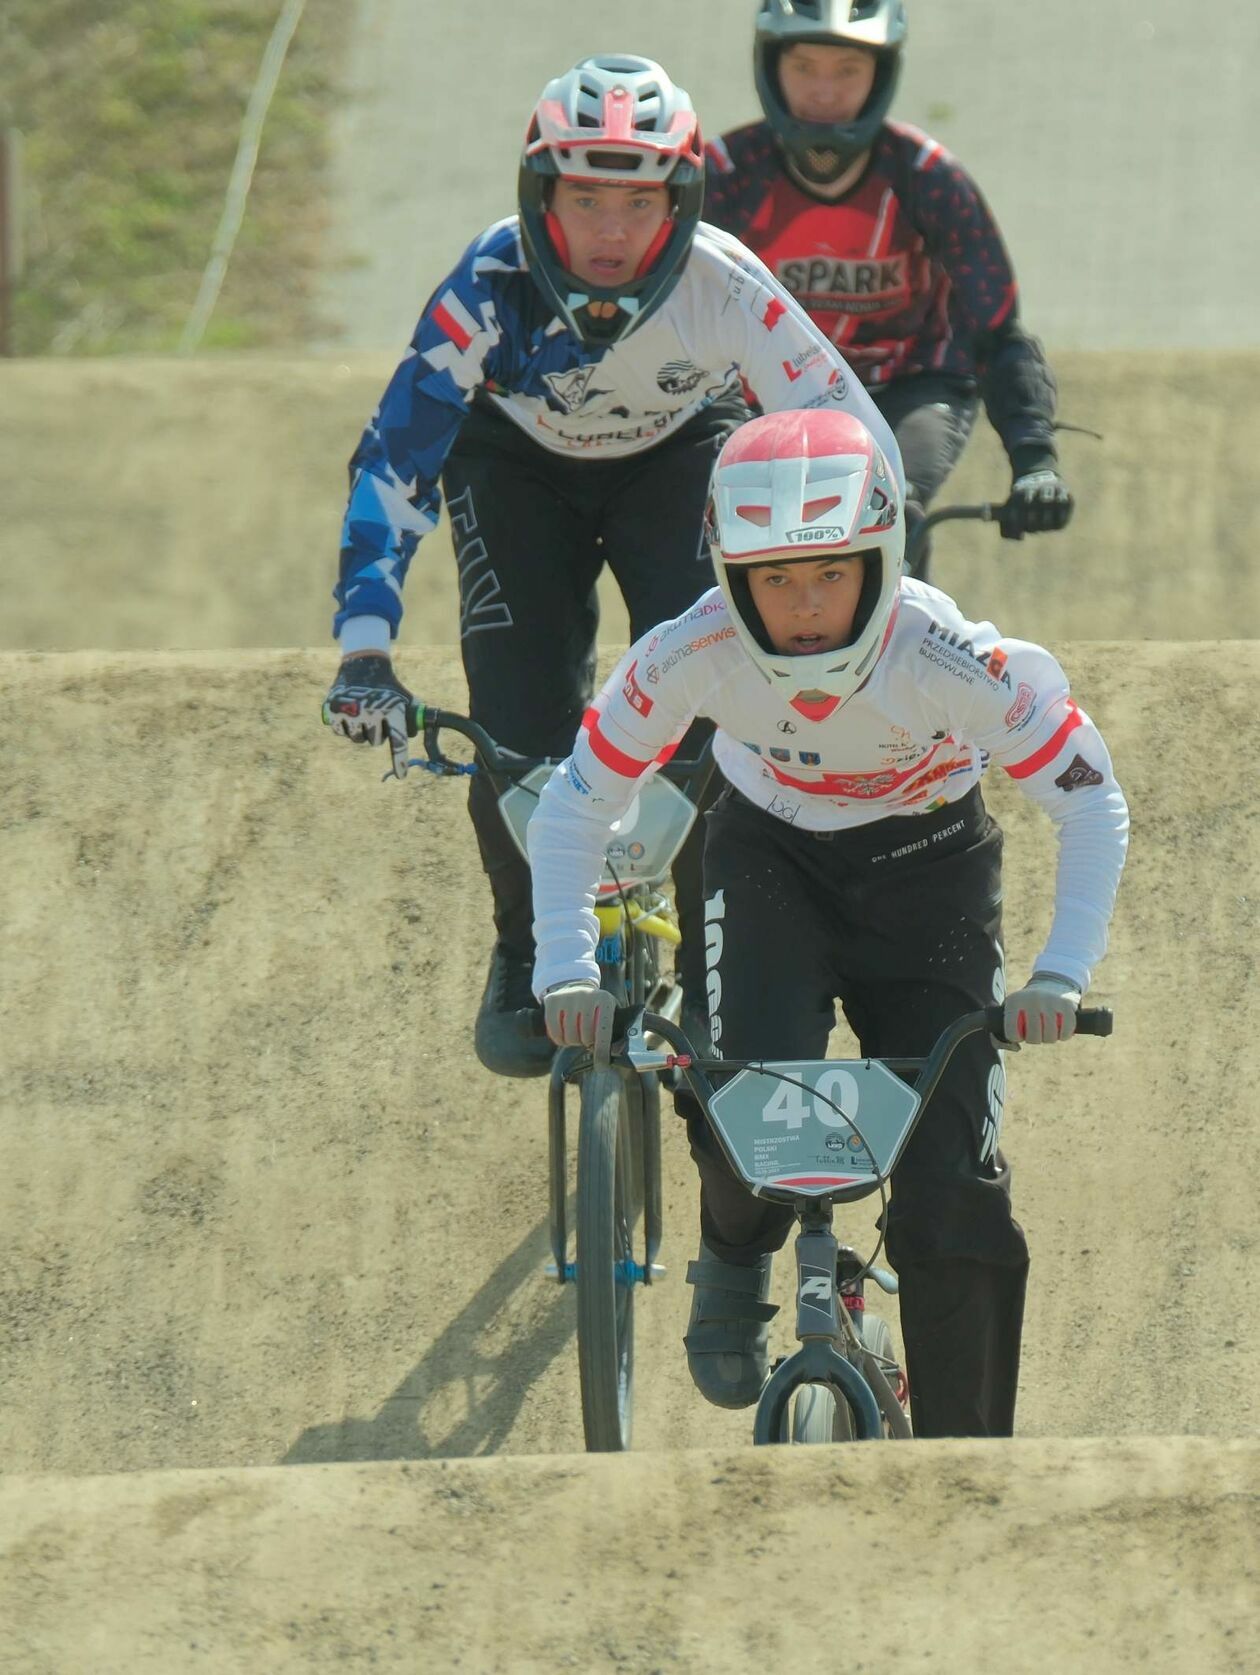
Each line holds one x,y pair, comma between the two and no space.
1090,1020
1094,1020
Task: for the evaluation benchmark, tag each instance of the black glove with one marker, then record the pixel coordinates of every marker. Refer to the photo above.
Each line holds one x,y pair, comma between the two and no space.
1039,500
368,704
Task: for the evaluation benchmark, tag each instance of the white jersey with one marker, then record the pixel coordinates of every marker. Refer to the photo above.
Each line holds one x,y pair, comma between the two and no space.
727,319
946,697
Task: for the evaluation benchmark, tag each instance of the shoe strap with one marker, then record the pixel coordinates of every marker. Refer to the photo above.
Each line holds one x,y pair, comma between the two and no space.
725,1276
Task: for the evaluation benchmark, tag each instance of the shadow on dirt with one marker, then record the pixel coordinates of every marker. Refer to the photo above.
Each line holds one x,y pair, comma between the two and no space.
462,1398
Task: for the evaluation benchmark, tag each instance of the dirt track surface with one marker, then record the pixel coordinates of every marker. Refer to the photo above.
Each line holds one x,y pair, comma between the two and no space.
249,1158
198,505
1135,1556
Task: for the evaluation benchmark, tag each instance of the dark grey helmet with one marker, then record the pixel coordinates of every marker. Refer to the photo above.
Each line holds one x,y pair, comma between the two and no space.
821,151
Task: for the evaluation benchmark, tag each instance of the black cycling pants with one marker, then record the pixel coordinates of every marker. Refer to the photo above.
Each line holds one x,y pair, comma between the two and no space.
901,921
932,418
532,531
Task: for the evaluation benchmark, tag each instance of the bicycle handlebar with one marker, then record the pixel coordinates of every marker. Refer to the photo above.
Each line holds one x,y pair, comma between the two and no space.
429,722
988,511
1090,1020
508,764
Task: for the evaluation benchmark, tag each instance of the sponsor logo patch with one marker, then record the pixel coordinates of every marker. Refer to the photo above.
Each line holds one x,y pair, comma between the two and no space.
1079,773
846,287
634,694
572,389
679,377
816,536
802,363
654,671
580,784
959,657
1022,708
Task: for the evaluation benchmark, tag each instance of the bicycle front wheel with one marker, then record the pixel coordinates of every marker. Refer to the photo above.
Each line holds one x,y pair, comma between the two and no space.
817,1415
608,1199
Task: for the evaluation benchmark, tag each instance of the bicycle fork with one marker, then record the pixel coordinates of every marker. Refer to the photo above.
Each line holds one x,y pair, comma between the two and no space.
822,1322
560,1268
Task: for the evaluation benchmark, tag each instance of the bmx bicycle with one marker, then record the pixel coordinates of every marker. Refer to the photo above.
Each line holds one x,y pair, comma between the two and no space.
813,1134
618,1170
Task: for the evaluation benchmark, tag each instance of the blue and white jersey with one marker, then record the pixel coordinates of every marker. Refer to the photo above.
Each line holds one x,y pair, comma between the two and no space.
488,328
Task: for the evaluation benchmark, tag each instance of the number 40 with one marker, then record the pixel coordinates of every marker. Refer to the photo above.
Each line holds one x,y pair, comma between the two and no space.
793,1105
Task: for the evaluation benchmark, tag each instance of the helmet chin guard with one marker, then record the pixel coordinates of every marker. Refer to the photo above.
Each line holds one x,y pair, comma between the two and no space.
819,152
808,485
613,119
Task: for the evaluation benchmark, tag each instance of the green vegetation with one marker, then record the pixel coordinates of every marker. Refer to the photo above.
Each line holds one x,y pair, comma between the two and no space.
131,112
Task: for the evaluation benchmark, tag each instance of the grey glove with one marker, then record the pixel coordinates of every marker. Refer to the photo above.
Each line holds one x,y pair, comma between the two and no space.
1039,500
1044,1010
368,704
580,1014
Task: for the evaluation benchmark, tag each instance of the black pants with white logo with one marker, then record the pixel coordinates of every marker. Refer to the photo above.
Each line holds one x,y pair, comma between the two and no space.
901,922
532,531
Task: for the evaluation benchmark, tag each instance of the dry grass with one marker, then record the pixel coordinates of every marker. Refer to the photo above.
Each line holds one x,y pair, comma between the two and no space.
131,113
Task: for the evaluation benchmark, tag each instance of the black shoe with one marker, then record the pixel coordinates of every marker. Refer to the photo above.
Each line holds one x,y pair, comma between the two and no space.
508,1036
728,1335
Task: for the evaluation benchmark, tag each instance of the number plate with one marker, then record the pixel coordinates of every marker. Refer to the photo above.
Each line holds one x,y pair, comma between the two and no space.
788,1138
641,846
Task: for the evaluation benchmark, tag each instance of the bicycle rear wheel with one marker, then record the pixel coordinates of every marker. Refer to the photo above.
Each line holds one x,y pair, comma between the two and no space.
878,1339
608,1200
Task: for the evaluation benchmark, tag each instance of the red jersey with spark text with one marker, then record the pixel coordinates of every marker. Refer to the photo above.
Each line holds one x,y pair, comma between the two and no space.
902,273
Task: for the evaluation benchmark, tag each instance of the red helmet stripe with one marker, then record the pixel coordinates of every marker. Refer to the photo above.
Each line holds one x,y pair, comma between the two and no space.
619,114
555,232
657,245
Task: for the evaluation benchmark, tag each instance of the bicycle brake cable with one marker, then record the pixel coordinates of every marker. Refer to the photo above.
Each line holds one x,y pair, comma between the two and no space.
795,1081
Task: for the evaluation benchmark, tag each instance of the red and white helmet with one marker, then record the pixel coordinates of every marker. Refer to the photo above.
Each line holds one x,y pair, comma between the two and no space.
615,118
805,484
